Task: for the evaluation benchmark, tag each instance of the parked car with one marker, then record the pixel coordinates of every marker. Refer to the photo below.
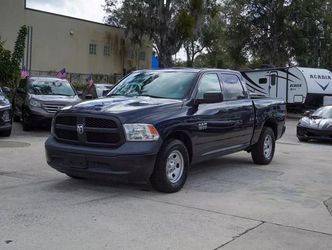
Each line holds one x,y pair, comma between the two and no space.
156,123
37,99
5,113
316,125
103,89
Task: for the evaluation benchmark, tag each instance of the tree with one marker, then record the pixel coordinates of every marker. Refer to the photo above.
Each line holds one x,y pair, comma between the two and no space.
262,29
10,62
5,64
197,15
312,37
280,32
162,21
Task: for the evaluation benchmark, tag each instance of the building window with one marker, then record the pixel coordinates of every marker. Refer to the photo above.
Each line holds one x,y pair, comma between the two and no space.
142,56
107,50
93,49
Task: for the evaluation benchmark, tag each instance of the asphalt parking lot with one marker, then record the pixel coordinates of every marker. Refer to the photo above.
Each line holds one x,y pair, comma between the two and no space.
227,203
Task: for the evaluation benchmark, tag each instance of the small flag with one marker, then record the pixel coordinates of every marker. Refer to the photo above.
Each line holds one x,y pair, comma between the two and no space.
24,73
90,80
62,74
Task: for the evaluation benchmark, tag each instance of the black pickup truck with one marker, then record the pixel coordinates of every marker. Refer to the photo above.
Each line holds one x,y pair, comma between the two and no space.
155,123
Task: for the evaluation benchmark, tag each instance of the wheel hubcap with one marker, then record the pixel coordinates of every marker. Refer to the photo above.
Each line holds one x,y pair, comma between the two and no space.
174,166
268,146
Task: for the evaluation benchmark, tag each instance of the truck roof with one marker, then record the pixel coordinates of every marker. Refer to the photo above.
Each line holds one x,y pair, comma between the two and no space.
193,70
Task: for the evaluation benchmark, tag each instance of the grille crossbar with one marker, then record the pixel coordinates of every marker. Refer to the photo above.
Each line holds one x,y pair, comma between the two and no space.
88,130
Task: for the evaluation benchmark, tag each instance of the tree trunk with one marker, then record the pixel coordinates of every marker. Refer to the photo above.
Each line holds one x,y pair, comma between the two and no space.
165,59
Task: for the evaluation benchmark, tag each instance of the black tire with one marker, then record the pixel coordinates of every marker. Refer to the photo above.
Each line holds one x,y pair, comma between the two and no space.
302,139
160,179
6,133
26,126
74,177
260,154
16,118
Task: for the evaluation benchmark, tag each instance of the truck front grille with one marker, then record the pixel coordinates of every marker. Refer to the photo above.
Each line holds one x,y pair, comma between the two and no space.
88,130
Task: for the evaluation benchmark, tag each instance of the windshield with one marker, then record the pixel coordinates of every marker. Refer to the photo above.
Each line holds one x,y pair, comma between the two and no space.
51,87
324,112
170,85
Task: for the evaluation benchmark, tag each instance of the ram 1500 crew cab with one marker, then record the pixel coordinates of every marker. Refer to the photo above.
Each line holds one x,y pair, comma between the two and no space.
155,123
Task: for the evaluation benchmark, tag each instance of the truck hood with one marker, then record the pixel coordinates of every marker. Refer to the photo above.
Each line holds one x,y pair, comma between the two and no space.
127,108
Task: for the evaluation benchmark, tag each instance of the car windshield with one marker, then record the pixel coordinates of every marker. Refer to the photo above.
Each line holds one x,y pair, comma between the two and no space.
170,85
324,112
51,87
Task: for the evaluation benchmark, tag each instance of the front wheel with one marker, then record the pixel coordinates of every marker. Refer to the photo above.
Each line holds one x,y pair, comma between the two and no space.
263,151
25,124
171,169
302,139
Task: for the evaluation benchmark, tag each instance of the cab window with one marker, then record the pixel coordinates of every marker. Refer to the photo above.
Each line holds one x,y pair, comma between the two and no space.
209,83
232,87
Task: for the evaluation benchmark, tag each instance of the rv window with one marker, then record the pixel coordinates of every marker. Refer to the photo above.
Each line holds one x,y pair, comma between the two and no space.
263,81
273,79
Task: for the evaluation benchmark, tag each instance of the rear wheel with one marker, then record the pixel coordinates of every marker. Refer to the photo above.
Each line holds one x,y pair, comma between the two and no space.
171,169
263,151
6,133
16,118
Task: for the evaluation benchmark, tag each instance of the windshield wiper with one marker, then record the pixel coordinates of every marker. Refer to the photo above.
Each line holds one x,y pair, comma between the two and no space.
153,96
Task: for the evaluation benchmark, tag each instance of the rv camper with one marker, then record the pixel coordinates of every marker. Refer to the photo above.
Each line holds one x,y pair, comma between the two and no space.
298,87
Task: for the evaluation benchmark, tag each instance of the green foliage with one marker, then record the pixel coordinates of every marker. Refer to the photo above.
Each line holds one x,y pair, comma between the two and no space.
229,33
280,32
166,22
5,65
10,62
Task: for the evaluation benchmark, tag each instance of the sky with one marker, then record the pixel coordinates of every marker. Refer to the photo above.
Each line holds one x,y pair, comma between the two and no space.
86,9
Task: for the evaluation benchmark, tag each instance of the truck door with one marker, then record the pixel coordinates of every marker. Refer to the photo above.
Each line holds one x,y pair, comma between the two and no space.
240,110
223,126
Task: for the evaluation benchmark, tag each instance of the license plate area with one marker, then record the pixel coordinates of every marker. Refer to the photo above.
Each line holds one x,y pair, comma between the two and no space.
76,161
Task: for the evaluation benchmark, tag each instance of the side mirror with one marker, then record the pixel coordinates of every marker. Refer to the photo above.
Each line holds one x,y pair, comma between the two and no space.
79,93
20,91
88,97
6,90
307,113
211,98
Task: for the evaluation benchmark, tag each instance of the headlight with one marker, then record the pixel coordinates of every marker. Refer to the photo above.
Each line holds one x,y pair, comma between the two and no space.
6,116
35,103
4,102
141,132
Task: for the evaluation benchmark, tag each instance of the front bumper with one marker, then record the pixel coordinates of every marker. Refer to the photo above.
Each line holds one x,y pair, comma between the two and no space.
314,134
5,119
131,161
39,116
